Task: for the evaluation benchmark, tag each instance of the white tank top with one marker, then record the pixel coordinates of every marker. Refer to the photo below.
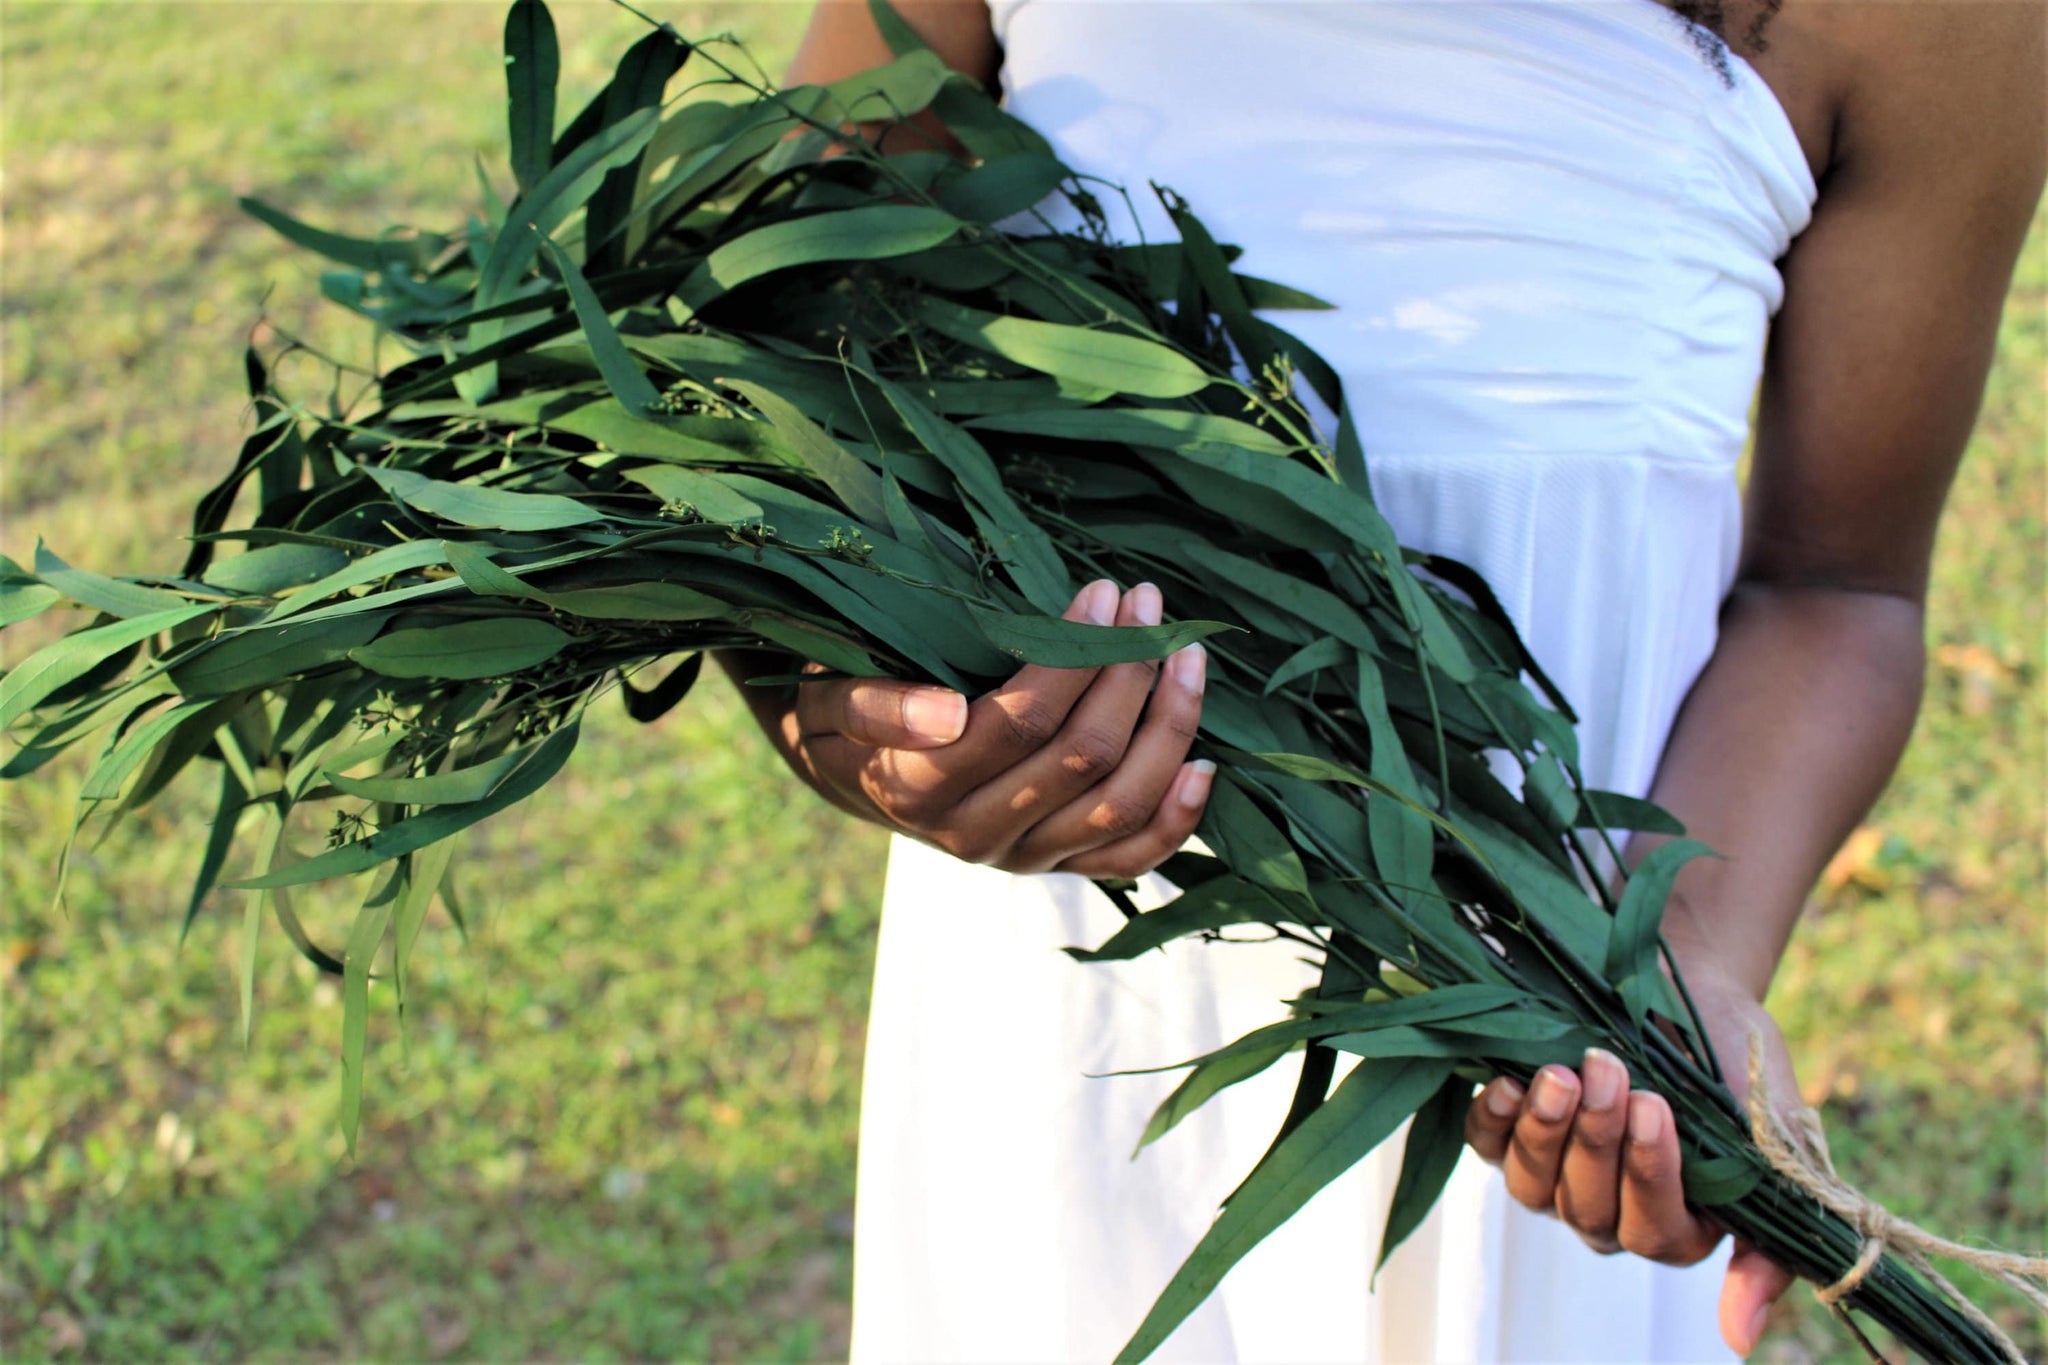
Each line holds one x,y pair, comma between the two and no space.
1550,230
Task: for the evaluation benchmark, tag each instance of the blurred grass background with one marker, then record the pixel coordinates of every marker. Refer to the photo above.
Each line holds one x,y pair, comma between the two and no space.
622,1124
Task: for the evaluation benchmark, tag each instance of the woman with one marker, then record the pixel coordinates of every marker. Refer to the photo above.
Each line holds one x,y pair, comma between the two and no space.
1559,235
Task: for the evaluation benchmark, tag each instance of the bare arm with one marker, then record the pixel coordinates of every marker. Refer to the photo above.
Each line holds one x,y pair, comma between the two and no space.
1875,371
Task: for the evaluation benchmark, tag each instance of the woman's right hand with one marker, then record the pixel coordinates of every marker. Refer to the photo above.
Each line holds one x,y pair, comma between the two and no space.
1057,770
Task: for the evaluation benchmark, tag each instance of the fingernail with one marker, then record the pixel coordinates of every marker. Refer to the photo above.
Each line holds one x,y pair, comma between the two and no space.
1195,790
1185,668
1756,1329
1551,1097
935,713
1101,602
1146,604
1504,1099
1645,1120
1604,1074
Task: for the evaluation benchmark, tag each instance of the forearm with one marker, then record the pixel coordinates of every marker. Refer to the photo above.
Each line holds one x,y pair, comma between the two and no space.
1784,743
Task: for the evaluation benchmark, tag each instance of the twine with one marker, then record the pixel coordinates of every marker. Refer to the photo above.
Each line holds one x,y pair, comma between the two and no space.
1798,1150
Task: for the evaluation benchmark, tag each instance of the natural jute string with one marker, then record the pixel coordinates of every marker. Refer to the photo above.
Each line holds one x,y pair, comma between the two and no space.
1799,1152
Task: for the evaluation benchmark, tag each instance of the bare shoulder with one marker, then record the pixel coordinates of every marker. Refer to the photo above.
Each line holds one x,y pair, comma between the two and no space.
1903,87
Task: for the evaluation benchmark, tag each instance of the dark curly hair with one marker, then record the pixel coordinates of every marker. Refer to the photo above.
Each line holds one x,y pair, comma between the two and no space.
1706,20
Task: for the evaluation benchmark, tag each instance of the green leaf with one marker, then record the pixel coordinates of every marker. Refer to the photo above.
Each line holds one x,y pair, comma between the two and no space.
624,378
652,703
1403,845
1252,844
1616,810
532,65
811,642
561,192
1719,1179
638,85
427,828
1214,904
1261,293
389,562
111,595
77,654
427,869
262,654
104,782
1059,643
1203,1083
713,498
1027,552
22,598
875,232
852,482
903,40
358,253
1165,428
1631,963
492,509
462,649
997,189
450,788
228,809
363,941
1370,1103
1099,358
269,569
1436,1137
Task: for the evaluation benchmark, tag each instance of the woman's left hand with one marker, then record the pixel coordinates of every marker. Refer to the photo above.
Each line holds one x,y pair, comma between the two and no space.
1584,1148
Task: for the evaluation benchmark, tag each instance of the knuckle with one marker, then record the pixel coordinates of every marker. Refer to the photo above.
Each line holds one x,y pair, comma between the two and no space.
1118,814
1184,724
1651,1242
969,845
1596,1226
1091,753
1649,1166
1028,723
1596,1139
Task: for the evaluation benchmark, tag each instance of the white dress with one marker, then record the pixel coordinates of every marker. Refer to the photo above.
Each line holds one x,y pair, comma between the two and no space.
1550,228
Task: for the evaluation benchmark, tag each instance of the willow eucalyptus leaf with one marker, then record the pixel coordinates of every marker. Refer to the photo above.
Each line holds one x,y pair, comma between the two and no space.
1112,360
1373,1099
533,63
462,649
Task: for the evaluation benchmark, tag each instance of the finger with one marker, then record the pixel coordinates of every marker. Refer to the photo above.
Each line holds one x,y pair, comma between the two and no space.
1536,1147
1654,1221
1589,1185
1017,719
1126,801
1171,824
1085,749
881,712
1754,1283
914,787
1491,1118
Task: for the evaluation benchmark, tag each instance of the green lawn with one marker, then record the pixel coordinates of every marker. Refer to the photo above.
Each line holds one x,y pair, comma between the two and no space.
622,1122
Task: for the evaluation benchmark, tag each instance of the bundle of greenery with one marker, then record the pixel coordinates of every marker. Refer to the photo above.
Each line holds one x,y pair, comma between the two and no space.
722,375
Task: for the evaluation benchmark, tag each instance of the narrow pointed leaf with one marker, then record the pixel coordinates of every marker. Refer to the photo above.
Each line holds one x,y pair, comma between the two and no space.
1435,1140
533,63
1366,1107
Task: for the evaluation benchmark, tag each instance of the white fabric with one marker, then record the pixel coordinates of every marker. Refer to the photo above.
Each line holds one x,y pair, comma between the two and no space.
1550,229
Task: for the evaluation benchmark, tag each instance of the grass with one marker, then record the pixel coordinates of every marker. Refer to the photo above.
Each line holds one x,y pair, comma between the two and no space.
622,1122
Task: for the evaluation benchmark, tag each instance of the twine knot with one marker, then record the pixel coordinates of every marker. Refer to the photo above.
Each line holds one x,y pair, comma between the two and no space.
1797,1148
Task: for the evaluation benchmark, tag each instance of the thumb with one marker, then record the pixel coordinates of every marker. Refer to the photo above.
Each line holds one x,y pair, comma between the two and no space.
882,712
1754,1283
